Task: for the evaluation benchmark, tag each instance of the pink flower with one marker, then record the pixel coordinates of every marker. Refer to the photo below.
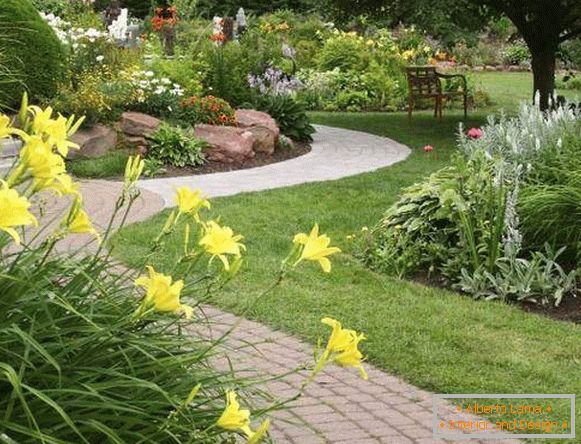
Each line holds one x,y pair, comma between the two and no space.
475,133
428,148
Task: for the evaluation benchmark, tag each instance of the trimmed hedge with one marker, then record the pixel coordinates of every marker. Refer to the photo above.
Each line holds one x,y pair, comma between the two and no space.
33,53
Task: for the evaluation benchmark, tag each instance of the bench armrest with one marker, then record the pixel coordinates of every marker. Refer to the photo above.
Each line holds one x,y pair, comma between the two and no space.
452,76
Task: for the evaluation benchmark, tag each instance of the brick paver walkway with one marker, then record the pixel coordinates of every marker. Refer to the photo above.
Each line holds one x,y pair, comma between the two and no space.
338,407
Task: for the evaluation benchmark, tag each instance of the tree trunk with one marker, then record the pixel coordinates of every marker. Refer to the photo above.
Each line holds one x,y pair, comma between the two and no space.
543,64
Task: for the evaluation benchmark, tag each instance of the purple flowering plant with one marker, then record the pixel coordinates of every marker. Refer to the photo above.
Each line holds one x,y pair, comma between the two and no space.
274,82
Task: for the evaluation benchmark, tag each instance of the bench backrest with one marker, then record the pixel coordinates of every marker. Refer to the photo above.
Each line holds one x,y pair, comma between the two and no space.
423,81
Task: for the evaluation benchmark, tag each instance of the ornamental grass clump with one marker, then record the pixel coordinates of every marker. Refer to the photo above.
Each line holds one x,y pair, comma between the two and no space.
93,352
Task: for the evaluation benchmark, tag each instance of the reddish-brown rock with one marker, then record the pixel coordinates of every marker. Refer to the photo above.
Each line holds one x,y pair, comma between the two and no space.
260,124
138,124
94,142
228,144
264,139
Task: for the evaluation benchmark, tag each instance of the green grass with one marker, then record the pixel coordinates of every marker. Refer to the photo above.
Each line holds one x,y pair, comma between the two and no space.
109,165
506,90
433,338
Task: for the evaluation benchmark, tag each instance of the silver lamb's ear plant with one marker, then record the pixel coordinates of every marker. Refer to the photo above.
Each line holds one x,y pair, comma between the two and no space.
512,239
519,140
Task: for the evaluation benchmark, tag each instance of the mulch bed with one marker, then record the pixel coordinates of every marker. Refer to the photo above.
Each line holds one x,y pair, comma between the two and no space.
261,159
569,310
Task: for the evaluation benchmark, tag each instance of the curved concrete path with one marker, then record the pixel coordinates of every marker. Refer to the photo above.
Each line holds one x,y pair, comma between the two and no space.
339,407
335,153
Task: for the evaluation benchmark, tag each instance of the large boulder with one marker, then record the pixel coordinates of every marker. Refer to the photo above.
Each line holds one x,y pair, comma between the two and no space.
94,142
264,128
139,124
228,144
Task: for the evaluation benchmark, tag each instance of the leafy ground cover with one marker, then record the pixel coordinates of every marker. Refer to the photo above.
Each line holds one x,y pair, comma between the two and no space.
434,338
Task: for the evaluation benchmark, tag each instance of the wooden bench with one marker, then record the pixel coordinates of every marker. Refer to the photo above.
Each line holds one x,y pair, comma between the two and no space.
424,82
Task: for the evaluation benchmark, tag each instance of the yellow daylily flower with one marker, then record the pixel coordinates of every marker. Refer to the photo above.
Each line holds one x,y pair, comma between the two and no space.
41,119
14,212
162,293
221,241
342,347
234,418
315,248
190,201
6,130
57,131
257,436
133,169
58,136
78,221
63,184
38,159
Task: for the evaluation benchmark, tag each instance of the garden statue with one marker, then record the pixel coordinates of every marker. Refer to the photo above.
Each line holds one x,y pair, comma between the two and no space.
241,22
163,22
112,12
118,29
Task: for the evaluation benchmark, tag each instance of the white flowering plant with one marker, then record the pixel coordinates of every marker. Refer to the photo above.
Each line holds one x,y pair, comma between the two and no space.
152,94
88,48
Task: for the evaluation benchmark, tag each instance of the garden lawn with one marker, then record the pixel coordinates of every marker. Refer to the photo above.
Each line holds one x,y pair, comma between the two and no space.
433,338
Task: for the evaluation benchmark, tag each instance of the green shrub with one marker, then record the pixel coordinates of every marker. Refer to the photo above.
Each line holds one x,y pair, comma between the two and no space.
570,53
176,146
346,51
290,115
92,97
570,82
516,54
34,54
353,101
180,71
227,72
501,28
56,7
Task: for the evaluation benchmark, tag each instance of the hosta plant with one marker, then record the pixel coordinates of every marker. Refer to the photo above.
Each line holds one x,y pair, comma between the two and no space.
175,146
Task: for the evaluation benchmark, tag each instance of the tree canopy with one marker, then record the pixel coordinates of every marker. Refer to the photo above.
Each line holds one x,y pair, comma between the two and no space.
543,24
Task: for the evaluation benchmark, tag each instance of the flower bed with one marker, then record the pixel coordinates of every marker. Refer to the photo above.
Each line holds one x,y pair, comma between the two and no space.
501,222
91,352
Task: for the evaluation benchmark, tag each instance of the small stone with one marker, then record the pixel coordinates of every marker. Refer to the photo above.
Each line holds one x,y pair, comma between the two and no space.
135,141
